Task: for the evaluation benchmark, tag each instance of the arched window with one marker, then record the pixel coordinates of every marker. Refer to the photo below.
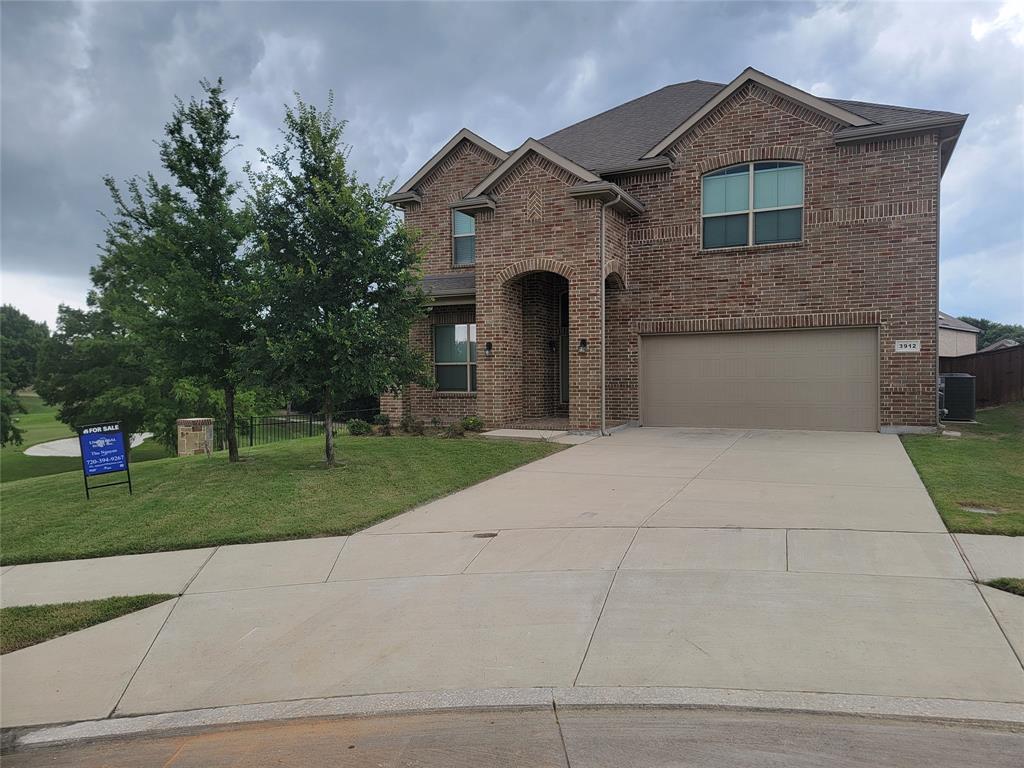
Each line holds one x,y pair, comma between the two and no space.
753,203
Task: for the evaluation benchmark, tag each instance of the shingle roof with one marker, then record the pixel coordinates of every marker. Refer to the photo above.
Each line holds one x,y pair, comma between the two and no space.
948,321
458,284
1001,344
620,136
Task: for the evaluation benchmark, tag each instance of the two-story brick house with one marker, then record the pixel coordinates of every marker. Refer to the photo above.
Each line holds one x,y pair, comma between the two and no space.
741,255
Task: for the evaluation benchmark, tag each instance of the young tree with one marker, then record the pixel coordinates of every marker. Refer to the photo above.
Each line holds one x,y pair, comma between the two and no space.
338,271
20,337
9,406
173,270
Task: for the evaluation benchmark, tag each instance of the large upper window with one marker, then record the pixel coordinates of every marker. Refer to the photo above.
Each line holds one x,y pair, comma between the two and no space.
753,203
464,238
455,357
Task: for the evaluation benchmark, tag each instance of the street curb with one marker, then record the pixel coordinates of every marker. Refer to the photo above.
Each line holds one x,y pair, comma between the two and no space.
990,713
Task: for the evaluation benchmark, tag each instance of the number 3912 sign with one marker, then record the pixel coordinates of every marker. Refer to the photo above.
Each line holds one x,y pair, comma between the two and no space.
103,452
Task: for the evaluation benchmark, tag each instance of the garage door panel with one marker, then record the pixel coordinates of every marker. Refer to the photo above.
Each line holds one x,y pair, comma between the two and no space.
812,379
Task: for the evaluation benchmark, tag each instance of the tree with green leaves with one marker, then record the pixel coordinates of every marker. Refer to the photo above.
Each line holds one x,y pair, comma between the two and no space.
95,370
173,270
20,337
10,405
991,331
338,271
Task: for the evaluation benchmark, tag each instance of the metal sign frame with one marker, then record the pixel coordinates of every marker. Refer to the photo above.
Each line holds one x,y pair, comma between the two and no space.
113,429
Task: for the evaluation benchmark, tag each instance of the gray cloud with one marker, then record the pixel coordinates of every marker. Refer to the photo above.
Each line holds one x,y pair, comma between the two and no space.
86,89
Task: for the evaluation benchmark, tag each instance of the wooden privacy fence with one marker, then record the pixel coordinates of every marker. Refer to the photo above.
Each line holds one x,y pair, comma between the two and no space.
998,375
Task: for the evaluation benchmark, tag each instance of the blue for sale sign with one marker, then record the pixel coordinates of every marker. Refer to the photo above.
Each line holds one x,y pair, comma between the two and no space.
103,452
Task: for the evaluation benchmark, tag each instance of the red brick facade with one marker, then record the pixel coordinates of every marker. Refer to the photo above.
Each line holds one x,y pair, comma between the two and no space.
868,257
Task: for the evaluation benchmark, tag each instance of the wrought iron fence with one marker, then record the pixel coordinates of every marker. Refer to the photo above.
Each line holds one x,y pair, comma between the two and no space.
261,430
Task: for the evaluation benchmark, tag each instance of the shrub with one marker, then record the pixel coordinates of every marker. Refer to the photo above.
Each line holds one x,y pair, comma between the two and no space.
435,422
384,430
418,427
473,424
454,430
359,427
407,423
382,419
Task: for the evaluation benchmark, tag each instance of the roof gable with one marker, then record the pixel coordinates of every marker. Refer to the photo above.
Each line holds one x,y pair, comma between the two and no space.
464,135
530,145
825,108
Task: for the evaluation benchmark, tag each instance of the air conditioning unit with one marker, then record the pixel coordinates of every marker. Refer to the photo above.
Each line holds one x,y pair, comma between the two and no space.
958,396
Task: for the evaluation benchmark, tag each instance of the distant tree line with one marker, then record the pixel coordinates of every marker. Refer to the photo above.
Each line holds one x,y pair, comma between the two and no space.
991,331
214,299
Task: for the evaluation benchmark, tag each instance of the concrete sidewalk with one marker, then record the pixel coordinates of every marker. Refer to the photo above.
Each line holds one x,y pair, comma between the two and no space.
733,560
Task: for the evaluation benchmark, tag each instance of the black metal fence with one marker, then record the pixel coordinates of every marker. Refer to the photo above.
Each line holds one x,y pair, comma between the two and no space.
261,430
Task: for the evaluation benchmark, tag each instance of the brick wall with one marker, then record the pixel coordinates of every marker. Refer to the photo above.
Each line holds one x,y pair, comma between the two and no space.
869,251
869,245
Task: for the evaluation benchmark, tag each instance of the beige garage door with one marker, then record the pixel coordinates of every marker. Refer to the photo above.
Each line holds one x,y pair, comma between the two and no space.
820,379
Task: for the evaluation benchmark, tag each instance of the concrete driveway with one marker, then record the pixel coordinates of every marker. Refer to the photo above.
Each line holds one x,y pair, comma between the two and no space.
651,559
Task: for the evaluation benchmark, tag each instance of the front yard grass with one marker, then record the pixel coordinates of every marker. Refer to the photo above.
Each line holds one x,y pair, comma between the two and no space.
984,467
25,625
280,491
1016,586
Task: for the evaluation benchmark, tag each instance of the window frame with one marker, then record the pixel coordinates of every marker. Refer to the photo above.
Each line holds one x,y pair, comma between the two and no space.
752,211
456,237
469,364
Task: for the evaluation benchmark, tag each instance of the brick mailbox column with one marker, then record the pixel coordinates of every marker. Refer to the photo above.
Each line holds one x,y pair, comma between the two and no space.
195,436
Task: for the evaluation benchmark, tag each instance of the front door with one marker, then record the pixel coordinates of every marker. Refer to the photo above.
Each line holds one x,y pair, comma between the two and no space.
563,348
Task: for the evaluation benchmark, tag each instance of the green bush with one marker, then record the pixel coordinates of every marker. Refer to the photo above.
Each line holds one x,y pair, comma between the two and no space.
382,419
407,422
473,424
454,430
359,427
418,427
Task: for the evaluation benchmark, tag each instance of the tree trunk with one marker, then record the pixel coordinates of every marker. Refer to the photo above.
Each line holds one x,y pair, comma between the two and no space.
229,422
328,427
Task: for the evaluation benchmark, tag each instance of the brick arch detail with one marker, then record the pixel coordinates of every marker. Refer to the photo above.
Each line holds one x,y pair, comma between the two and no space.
534,264
750,155
618,269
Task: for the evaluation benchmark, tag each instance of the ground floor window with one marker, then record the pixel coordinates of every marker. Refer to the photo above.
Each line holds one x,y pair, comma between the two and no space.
455,357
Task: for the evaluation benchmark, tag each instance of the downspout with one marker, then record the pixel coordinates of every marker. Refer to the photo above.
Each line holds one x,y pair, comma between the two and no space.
604,207
938,230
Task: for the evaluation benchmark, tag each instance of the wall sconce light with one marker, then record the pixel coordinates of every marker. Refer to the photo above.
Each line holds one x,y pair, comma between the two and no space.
488,349
583,346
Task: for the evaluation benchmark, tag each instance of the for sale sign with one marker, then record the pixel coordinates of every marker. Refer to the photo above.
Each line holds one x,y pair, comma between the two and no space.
103,451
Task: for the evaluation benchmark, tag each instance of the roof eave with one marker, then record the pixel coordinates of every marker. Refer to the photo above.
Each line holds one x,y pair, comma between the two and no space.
854,135
651,164
607,192
468,204
531,145
402,199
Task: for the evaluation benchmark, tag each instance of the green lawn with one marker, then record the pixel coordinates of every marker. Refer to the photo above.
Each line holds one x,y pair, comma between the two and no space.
1016,586
982,468
280,491
22,626
40,425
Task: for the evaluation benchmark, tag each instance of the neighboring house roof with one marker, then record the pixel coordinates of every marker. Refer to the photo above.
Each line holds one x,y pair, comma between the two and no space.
459,284
953,324
1001,344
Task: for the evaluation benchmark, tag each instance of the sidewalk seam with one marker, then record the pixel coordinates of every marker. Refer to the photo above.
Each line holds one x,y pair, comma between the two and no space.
145,656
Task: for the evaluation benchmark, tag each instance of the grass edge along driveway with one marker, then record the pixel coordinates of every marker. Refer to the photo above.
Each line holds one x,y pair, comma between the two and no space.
25,625
984,467
280,491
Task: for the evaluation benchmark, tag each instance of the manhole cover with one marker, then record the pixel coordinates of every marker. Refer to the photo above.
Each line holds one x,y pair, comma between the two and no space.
484,535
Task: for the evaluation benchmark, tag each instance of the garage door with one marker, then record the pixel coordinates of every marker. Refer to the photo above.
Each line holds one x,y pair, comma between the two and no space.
815,379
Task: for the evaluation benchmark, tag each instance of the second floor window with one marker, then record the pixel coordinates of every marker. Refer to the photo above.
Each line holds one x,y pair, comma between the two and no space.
464,237
455,357
752,204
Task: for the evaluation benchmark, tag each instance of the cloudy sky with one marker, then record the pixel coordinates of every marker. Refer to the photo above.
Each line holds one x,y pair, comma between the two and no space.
87,87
